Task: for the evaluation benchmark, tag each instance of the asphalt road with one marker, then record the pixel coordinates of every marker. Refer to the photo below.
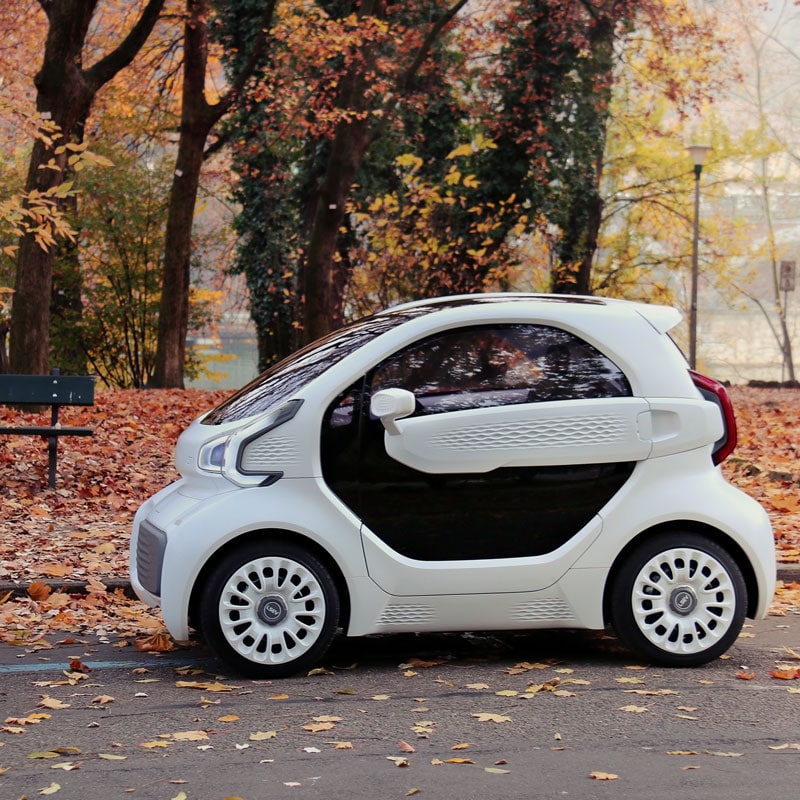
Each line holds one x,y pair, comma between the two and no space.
535,715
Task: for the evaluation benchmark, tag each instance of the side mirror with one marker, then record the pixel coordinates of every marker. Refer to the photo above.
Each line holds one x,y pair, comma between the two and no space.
389,405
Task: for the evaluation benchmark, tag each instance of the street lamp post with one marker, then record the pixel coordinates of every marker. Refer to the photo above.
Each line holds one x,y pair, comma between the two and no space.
698,153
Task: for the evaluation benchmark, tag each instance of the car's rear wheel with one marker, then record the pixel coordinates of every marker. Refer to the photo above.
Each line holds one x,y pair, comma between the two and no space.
269,609
679,599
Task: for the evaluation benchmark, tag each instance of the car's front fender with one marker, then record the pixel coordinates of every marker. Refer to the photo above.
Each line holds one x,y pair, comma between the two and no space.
197,528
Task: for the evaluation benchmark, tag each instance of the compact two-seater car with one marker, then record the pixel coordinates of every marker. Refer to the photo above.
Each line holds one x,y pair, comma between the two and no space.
481,462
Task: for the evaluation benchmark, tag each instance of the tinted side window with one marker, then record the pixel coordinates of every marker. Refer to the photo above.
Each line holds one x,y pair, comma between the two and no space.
500,365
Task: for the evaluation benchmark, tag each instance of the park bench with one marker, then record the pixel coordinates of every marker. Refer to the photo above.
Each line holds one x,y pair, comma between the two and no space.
53,390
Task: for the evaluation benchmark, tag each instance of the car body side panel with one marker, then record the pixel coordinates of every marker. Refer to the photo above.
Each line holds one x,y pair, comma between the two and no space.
548,608
400,576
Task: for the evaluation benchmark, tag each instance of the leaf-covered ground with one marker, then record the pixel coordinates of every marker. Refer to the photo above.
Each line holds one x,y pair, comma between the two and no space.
79,531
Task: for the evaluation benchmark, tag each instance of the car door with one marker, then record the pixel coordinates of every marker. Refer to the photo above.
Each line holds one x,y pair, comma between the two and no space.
517,436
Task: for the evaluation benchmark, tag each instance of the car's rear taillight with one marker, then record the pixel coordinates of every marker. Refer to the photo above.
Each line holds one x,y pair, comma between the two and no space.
715,392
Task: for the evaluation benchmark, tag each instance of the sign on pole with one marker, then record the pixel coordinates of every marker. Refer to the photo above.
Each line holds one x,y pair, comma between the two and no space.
788,272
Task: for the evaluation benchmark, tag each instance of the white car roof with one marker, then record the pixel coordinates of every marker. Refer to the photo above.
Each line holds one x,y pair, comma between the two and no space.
661,317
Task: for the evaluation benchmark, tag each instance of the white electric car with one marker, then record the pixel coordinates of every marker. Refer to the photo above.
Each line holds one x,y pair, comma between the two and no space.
481,462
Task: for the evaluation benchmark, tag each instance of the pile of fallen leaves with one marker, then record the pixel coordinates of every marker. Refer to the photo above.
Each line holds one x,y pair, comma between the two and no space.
766,462
79,532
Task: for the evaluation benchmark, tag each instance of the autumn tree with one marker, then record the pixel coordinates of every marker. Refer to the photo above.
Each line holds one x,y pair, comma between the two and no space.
282,137
555,75
66,90
199,115
267,159
367,97
123,220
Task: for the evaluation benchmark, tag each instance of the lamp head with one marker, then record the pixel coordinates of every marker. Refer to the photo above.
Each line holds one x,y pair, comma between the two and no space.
698,153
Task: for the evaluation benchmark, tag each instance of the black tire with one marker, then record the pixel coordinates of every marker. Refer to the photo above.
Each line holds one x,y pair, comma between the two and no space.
269,609
679,599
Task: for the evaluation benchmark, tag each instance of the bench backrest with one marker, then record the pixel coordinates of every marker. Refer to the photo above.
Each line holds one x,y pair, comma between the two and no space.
67,390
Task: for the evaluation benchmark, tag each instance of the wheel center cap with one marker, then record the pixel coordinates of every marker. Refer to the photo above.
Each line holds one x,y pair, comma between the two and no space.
683,601
272,610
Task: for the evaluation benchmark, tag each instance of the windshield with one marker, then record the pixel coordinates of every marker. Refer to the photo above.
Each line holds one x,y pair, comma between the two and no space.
287,377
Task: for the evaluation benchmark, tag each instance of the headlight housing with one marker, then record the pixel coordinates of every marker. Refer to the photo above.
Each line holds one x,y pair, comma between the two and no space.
223,455
211,457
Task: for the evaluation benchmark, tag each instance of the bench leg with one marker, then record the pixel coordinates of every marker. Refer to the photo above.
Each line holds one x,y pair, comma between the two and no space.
52,458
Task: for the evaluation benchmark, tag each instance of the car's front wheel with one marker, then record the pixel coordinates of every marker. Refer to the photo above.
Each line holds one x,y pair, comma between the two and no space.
679,599
269,609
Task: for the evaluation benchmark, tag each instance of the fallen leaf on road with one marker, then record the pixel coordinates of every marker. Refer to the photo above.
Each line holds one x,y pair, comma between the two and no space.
420,663
156,643
319,671
318,727
526,666
485,717
185,736
207,687
52,702
604,776
785,673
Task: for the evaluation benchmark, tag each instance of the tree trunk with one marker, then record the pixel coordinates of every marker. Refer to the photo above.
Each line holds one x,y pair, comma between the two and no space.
173,315
322,312
576,250
578,243
64,105
198,117
65,92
